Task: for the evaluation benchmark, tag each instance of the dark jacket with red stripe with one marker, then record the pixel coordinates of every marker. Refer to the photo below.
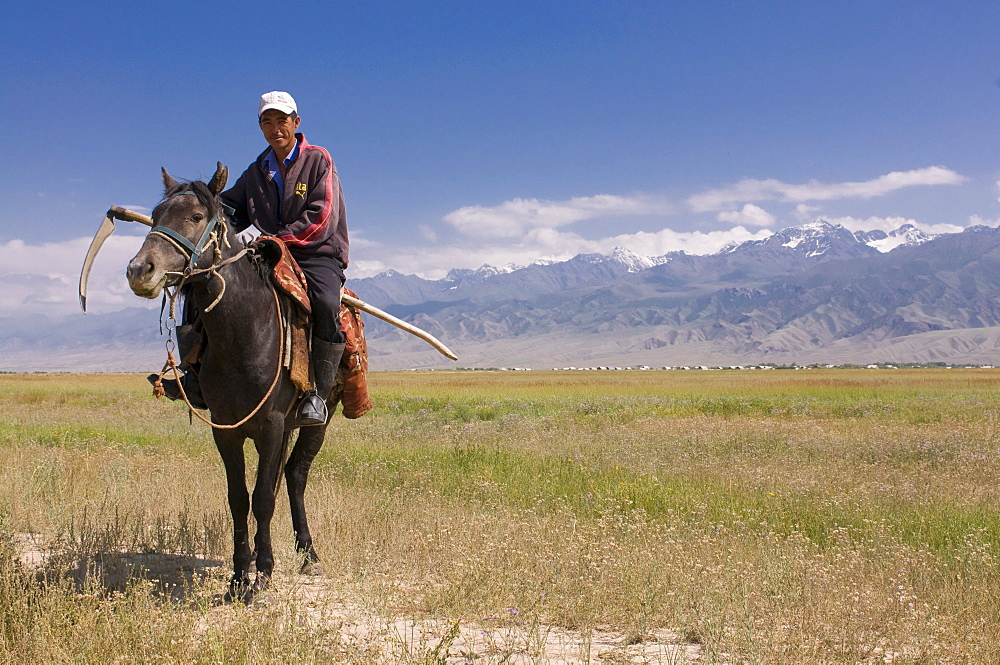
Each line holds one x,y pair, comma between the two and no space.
309,215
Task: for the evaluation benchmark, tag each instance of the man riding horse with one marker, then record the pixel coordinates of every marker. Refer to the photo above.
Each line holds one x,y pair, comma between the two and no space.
292,191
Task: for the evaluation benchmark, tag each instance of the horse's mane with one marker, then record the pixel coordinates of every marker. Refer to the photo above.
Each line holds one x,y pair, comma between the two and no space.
264,257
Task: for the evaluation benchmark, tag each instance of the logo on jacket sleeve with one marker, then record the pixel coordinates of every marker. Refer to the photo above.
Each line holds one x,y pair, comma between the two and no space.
300,189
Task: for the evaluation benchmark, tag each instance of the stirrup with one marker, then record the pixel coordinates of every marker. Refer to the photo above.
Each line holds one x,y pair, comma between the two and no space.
312,411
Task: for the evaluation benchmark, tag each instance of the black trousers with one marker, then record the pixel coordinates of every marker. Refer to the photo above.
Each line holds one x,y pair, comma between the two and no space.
325,277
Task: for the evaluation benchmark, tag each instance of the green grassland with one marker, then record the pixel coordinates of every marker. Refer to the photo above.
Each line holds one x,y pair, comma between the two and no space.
812,516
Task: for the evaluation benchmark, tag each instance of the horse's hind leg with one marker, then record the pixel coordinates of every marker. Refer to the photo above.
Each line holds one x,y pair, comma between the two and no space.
230,448
296,473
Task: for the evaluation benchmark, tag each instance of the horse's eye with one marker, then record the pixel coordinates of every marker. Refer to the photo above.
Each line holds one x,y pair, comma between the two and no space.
197,217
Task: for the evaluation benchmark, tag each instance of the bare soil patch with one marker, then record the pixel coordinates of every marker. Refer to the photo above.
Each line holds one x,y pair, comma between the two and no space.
397,639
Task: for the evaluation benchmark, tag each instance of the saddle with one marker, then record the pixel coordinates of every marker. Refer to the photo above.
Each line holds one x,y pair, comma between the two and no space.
351,389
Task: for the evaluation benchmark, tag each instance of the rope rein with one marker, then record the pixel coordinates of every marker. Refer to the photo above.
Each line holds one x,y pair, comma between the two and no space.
171,364
212,271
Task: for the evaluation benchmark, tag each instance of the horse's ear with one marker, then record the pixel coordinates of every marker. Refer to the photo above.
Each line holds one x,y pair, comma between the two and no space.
168,182
218,181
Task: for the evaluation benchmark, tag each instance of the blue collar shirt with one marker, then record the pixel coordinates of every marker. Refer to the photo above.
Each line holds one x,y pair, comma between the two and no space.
271,164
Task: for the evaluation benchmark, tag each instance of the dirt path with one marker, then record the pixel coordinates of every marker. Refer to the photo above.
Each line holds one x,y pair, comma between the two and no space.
505,639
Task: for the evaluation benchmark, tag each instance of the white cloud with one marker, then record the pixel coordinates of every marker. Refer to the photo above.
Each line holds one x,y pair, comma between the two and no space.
512,219
552,245
775,190
359,239
891,224
428,233
805,212
976,220
695,242
750,214
365,267
44,279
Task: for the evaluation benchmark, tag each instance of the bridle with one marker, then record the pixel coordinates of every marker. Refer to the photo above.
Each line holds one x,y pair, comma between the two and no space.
191,250
214,235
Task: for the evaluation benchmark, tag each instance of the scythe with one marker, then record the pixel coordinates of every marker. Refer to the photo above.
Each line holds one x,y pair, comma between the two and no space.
108,226
106,229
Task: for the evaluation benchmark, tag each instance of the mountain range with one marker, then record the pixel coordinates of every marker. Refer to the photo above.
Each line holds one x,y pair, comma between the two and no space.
815,293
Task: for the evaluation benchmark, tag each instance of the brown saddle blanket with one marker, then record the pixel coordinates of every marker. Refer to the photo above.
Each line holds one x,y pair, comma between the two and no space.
351,389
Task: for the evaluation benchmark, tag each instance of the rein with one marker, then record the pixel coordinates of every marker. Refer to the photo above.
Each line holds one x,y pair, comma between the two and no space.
194,252
171,364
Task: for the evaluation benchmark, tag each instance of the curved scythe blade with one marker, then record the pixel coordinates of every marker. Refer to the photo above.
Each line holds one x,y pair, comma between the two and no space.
107,228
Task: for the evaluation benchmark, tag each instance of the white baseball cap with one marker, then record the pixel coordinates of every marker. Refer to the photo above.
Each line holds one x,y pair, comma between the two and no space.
281,101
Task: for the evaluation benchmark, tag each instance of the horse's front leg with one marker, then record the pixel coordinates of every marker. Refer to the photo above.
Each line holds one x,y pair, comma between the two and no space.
230,447
296,473
270,444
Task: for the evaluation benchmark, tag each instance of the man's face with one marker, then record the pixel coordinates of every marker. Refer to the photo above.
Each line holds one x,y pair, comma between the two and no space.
279,130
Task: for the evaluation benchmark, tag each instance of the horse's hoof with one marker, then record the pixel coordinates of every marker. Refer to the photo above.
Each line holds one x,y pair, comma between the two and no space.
242,596
240,592
312,568
261,584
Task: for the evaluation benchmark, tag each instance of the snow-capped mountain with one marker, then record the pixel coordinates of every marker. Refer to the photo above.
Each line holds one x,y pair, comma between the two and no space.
636,262
814,239
786,252
480,274
801,293
906,235
798,243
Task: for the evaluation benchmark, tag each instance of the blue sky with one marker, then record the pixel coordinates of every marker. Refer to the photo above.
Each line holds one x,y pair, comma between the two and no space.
469,133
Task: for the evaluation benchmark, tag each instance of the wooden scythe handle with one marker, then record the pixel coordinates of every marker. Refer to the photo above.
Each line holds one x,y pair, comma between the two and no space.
127,215
389,318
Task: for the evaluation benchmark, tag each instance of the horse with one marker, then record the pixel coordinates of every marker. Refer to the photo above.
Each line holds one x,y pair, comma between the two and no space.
248,391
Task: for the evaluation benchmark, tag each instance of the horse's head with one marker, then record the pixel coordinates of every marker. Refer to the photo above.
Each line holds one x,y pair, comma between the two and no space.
185,224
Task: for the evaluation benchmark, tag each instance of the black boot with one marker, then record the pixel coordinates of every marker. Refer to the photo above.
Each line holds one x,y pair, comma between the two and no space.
188,337
325,361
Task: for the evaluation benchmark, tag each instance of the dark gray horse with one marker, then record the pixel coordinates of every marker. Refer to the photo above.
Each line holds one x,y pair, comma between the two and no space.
241,368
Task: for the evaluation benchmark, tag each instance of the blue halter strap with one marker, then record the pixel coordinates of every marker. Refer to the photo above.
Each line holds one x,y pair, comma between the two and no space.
193,250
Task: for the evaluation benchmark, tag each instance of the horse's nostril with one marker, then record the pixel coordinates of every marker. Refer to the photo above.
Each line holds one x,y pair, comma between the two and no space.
138,268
